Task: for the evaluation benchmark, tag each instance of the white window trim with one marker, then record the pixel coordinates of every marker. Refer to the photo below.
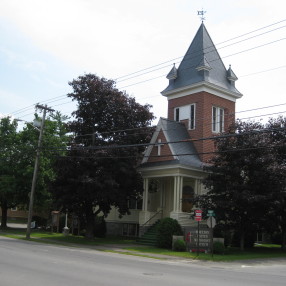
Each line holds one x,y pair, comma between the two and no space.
175,114
217,124
184,113
194,127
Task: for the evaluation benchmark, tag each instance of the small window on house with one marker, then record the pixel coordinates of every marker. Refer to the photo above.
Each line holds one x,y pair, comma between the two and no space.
177,114
217,119
135,204
192,116
14,209
130,229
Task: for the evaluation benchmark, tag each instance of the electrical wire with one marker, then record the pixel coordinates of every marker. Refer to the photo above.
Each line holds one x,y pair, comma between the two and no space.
16,112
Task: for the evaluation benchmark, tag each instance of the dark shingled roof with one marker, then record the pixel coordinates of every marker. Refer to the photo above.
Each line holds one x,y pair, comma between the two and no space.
201,52
176,131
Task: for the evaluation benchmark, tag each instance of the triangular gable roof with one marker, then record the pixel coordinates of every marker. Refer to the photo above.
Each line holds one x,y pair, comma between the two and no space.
182,148
202,49
154,140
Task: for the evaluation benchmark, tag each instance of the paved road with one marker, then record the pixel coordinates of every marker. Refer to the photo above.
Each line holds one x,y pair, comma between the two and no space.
34,264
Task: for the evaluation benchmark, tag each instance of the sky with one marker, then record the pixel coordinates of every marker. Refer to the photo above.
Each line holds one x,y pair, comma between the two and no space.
45,44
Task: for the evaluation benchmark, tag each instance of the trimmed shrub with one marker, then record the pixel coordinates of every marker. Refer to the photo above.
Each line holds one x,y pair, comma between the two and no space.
167,227
218,247
179,245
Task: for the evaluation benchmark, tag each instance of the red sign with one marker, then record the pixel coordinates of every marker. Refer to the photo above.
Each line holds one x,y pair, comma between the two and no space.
198,215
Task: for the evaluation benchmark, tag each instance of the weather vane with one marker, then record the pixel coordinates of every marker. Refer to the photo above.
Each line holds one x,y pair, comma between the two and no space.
201,14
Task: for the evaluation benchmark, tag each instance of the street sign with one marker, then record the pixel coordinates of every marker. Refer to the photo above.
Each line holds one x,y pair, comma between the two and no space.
198,215
210,213
211,222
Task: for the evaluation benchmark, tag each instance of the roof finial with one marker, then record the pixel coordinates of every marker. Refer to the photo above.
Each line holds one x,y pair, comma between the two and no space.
202,13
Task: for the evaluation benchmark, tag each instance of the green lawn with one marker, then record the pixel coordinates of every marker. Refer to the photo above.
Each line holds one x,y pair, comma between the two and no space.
60,238
231,254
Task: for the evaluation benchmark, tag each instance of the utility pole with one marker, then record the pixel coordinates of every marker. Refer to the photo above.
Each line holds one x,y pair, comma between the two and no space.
36,167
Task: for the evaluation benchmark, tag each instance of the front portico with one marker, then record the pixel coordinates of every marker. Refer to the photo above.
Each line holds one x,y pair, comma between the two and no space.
168,192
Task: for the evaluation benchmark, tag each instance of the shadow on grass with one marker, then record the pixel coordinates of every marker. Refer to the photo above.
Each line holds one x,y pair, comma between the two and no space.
59,237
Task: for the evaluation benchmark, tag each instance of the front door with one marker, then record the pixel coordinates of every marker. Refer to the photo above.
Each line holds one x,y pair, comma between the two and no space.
187,199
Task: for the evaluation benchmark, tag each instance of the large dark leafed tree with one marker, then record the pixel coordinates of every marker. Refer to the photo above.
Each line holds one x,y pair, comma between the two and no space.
239,182
277,175
98,172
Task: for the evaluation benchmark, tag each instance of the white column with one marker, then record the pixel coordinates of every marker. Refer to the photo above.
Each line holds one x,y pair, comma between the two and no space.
175,195
161,193
180,195
145,194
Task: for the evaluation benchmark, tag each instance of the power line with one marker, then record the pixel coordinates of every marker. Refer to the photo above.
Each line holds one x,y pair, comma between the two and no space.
177,155
208,47
104,147
48,101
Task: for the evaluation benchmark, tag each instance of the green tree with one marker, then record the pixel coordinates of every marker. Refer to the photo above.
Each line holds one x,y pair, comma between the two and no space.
238,179
98,173
54,143
17,162
276,216
8,160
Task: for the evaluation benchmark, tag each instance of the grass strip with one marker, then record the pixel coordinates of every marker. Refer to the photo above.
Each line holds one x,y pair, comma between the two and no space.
134,254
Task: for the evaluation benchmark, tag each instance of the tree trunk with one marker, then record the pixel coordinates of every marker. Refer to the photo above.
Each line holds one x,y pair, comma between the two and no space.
283,242
242,236
89,223
4,209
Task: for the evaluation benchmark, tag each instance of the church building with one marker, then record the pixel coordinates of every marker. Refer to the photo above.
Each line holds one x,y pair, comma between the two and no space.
201,96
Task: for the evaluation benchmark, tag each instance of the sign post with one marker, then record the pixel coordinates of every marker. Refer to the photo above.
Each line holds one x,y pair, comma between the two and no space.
198,218
211,222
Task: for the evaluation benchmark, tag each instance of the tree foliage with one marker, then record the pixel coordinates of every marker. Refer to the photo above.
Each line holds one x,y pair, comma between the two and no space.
17,156
246,180
167,227
8,160
98,172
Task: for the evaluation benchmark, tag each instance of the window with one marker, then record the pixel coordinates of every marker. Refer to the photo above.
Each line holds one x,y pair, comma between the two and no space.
192,116
135,204
14,209
177,114
186,112
217,119
130,229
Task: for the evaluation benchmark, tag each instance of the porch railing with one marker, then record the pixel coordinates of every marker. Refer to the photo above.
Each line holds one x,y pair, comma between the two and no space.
154,215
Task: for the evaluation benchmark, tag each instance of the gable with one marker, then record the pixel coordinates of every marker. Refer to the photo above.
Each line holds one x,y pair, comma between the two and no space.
164,153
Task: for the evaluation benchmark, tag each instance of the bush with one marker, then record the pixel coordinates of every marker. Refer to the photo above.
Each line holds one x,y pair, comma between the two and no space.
179,245
167,227
218,247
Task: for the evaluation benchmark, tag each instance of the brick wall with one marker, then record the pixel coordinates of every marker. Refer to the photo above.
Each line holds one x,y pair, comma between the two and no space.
204,102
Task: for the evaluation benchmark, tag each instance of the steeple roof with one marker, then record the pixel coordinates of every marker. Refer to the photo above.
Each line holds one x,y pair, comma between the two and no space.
201,63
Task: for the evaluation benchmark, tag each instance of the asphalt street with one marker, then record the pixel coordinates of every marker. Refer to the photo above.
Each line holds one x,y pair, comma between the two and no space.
31,263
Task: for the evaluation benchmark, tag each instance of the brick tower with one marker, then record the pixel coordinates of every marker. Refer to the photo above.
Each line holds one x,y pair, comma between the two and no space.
201,93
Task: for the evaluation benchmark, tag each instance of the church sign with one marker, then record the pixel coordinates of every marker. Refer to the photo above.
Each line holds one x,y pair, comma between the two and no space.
201,242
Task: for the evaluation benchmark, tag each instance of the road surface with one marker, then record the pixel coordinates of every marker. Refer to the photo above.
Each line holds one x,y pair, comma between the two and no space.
36,264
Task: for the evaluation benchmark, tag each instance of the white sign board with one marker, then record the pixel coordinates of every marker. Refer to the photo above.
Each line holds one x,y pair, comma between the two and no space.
211,222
